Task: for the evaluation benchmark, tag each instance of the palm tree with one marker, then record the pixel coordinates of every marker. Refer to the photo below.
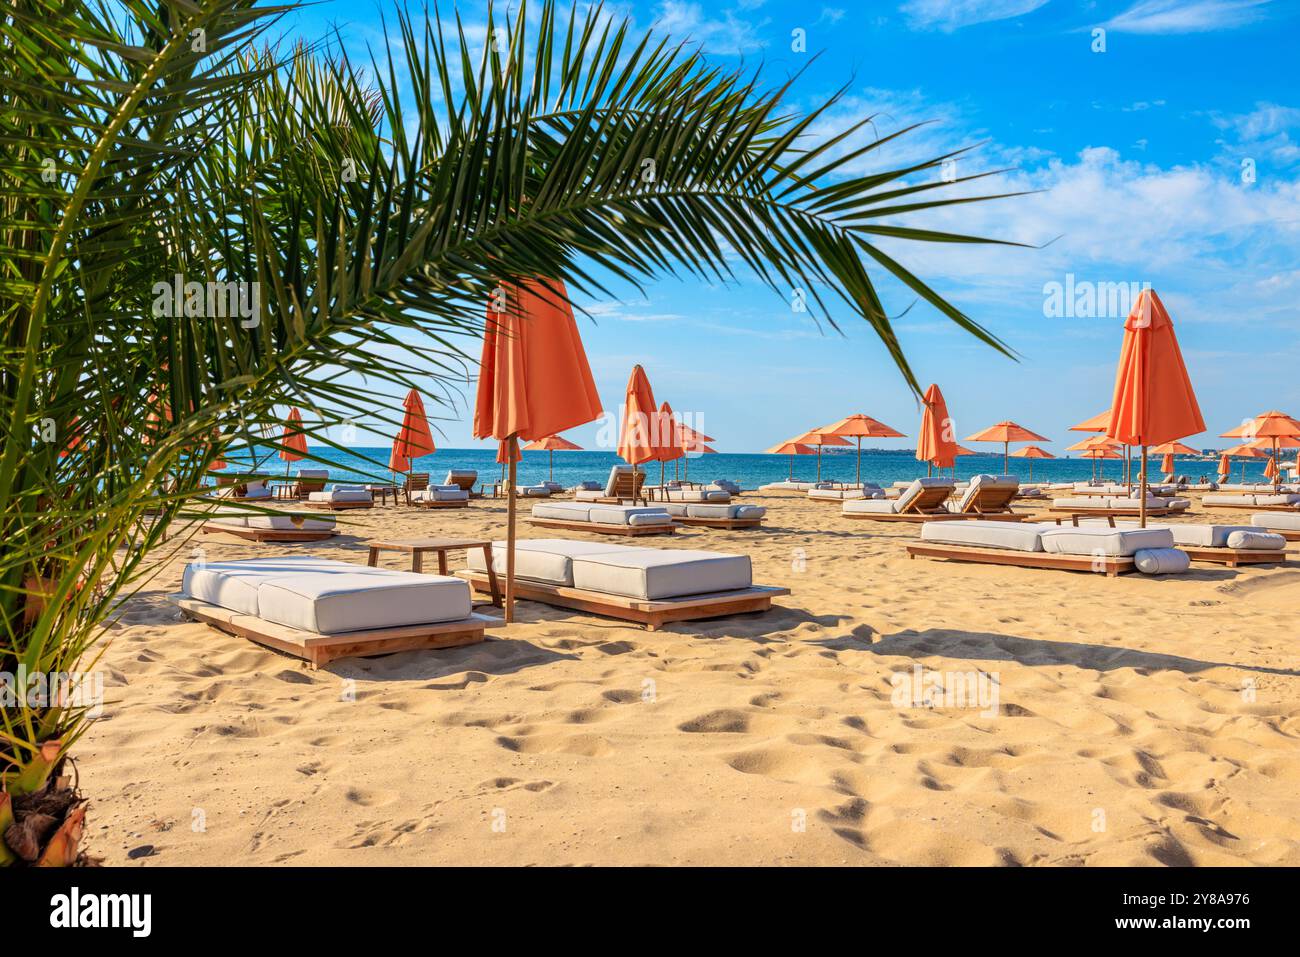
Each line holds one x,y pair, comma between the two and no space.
200,227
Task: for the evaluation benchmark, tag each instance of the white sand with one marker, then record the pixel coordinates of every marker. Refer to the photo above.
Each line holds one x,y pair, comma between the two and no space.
1127,733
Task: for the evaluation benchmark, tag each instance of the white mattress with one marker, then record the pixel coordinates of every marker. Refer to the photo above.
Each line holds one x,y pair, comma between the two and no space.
661,573
541,559
1016,536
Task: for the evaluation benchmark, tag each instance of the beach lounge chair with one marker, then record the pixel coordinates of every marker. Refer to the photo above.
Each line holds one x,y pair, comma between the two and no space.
922,499
1269,501
604,519
533,491
440,496
341,498
624,485
988,495
1089,548
252,490
1288,526
1117,506
414,482
321,609
1230,545
279,527
697,496
650,586
830,493
726,515
728,486
310,480
463,479
786,487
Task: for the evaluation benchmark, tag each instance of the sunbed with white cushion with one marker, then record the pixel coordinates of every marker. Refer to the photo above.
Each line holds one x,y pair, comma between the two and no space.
727,486
652,586
696,495
786,486
1091,548
988,495
321,609
462,479
440,496
923,500
730,515
342,497
533,491
1281,502
1284,524
1230,545
1119,505
831,493
272,527
624,484
605,519
253,490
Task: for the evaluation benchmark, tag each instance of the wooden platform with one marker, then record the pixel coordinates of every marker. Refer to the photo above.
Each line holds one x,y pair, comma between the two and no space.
1108,565
462,503
604,529
1290,534
1253,508
936,516
1232,557
1118,512
318,650
288,535
728,523
337,506
652,614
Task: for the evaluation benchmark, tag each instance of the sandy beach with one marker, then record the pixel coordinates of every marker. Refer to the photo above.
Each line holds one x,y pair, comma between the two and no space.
1138,721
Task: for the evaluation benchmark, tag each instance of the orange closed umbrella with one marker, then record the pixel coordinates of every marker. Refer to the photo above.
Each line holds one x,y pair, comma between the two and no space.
1271,470
640,417
1167,464
294,440
1006,432
1032,452
1225,466
552,444
668,445
1154,401
534,381
935,443
860,426
414,438
791,449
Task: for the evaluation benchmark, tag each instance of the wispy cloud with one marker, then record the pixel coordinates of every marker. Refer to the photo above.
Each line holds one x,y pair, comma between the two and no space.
949,15
1187,16
725,34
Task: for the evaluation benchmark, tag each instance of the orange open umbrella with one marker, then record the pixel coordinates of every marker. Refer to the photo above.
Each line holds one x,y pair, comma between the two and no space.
1100,452
1032,452
1006,432
1094,442
1268,430
1098,423
859,426
1154,401
935,444
791,449
534,381
414,438
817,438
552,444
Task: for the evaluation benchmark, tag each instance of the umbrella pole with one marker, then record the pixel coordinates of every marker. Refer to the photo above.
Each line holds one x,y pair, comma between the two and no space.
1006,458
1142,507
551,479
859,461
791,468
819,465
512,443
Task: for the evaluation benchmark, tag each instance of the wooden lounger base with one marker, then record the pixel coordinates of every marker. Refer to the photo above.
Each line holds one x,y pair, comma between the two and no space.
1111,566
463,503
337,506
936,517
1120,512
1290,534
1253,508
1232,557
288,535
318,650
604,529
651,614
727,523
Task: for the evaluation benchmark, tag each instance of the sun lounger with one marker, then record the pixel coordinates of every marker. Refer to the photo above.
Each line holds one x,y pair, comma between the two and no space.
463,479
1110,506
717,514
440,496
310,480
924,500
728,486
279,527
1230,545
831,493
1109,551
533,491
255,490
651,586
341,497
1288,526
988,495
624,485
786,487
1280,502
321,609
604,519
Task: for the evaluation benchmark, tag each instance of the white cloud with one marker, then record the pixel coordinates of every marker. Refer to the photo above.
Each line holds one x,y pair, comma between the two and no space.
949,15
1264,133
728,34
1187,16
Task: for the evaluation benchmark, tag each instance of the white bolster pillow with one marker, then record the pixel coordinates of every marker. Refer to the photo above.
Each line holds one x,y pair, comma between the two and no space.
1161,561
1259,541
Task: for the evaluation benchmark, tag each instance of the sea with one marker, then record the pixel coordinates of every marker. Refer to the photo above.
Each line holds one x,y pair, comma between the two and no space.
882,466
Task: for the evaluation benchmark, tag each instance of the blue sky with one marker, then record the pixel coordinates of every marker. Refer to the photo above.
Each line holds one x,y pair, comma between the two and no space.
1171,157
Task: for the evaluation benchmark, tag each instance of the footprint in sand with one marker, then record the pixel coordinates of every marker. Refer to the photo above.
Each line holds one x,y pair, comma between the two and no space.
724,721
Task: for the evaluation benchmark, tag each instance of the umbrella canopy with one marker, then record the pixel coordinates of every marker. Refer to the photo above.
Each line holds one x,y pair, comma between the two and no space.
934,443
534,381
1098,423
640,415
962,450
1225,465
705,449
294,439
552,444
1006,432
1270,470
668,446
1174,448
1246,451
860,426
817,438
508,451
689,437
791,449
414,438
1032,452
1167,463
1100,454
1095,442
1268,430
1153,401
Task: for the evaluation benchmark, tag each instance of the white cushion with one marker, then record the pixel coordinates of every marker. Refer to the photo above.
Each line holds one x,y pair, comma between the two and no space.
920,485
613,477
1096,540
541,559
980,483
563,511
458,476
233,585
658,573
629,515
284,522
440,493
1017,536
229,519
1287,520
342,493
589,495
836,494
313,473
1252,539
697,495
257,491
872,505
533,491
1280,499
1161,561
332,603
686,510
1229,500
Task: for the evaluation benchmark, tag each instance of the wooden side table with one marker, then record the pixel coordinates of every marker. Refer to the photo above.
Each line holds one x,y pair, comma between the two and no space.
417,547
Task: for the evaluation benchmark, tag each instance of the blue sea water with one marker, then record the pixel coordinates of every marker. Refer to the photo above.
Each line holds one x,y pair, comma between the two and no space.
749,470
